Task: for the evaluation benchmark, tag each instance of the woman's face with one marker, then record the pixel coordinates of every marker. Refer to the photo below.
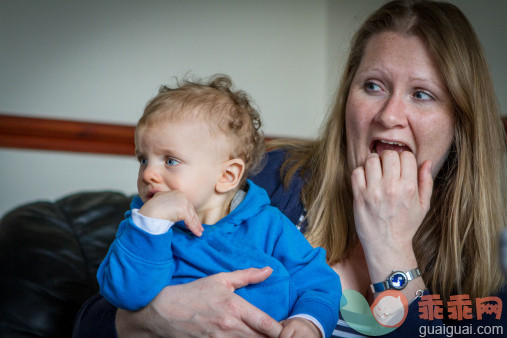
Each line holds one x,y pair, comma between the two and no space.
398,101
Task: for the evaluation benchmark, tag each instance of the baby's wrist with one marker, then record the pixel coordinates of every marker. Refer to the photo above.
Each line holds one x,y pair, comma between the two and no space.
154,226
148,211
312,321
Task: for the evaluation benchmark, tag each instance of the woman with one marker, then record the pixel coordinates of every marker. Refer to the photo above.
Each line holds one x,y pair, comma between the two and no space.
407,174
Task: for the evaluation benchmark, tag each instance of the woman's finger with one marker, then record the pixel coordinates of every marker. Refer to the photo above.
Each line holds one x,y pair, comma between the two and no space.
358,181
256,319
373,170
425,184
409,174
259,321
390,161
240,278
408,167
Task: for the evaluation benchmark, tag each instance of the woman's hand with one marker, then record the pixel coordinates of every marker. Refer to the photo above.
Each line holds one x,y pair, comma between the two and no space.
205,307
391,199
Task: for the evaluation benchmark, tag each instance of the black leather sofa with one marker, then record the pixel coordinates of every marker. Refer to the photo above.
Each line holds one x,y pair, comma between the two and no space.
49,255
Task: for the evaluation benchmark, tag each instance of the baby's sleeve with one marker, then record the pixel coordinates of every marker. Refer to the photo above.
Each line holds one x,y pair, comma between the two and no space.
318,287
137,266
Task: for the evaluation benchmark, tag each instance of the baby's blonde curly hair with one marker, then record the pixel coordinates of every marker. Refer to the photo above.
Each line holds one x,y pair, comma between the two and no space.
225,110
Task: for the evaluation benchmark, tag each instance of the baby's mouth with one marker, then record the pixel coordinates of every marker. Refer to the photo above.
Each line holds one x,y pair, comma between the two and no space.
150,194
379,146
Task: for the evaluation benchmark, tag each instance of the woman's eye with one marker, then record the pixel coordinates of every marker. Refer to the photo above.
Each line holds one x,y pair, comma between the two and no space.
372,87
171,162
420,95
143,161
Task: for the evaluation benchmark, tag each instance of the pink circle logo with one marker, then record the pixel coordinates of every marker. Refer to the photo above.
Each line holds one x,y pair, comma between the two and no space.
390,308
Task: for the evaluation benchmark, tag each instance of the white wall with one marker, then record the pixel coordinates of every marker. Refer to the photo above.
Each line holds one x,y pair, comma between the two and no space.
489,21
102,60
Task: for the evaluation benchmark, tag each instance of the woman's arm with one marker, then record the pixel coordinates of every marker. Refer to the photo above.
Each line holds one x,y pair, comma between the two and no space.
204,307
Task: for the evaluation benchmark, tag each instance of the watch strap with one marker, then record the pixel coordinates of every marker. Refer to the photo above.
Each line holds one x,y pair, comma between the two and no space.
386,285
413,274
380,286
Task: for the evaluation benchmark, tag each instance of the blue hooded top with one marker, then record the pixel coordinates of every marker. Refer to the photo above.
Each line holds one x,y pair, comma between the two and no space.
139,265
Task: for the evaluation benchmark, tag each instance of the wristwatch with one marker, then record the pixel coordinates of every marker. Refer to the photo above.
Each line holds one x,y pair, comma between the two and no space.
397,280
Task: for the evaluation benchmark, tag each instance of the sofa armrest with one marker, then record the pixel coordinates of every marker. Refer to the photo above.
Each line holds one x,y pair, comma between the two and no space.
49,255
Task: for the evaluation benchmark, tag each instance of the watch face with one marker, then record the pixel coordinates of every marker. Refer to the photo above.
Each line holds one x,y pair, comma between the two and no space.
398,280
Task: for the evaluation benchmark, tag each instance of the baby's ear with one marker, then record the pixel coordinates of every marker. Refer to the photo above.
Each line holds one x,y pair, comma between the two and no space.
232,172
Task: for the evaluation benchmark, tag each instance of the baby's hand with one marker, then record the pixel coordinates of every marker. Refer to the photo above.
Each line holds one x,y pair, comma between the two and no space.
299,327
173,206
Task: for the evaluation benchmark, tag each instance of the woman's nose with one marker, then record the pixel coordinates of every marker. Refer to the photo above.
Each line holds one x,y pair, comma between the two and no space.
393,113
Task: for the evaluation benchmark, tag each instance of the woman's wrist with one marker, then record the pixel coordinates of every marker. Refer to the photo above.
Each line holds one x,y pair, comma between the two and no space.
125,323
382,264
410,286
383,261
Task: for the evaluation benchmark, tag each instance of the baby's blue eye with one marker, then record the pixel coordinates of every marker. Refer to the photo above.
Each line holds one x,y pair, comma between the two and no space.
172,162
143,161
422,96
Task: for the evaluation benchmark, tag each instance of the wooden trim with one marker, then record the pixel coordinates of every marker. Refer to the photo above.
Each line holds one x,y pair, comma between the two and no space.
64,135
77,136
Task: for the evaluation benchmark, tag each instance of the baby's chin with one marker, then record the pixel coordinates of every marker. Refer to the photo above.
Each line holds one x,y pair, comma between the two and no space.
143,198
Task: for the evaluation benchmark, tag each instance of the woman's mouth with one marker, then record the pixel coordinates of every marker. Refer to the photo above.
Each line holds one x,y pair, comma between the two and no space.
379,146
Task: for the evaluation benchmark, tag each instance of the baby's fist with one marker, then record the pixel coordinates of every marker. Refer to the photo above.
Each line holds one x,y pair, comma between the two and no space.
298,327
174,206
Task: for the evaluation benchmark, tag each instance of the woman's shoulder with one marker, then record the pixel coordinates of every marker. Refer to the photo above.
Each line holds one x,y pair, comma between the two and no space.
285,198
269,177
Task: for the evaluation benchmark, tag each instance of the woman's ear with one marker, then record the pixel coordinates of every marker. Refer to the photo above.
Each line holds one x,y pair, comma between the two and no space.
232,172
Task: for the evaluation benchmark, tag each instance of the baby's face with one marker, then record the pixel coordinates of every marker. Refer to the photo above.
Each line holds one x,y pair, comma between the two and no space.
180,156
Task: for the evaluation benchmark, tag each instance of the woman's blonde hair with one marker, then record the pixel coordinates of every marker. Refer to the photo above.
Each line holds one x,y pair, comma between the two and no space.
456,245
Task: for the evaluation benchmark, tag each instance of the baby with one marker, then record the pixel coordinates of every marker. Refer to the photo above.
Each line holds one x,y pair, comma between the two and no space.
197,214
